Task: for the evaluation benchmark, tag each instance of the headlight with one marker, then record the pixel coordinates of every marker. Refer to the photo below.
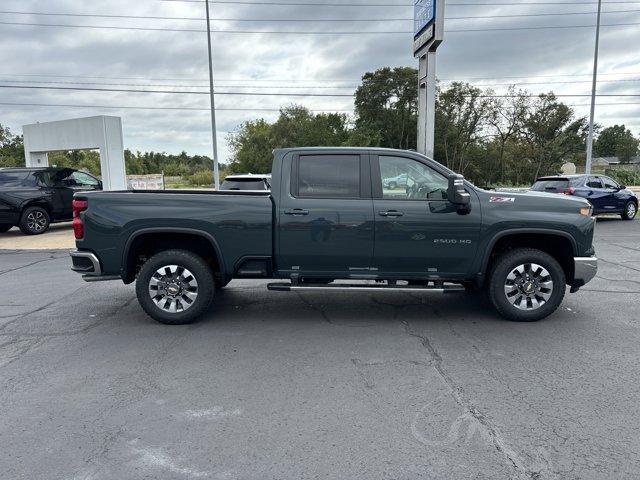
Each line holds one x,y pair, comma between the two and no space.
586,211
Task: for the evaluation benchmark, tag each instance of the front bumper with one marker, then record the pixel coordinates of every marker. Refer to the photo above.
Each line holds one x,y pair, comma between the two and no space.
585,268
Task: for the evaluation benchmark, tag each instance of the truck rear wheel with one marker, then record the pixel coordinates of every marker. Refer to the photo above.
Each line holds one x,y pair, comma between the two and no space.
175,287
526,285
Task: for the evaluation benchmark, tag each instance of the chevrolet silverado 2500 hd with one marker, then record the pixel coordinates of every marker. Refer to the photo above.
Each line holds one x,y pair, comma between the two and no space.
334,221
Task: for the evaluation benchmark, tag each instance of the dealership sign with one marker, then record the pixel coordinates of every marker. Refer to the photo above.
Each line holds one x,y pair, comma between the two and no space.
424,16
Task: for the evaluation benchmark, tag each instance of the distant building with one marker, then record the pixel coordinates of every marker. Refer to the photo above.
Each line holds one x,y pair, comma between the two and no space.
608,161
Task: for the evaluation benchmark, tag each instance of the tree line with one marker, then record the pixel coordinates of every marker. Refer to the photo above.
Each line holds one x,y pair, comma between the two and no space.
491,139
137,163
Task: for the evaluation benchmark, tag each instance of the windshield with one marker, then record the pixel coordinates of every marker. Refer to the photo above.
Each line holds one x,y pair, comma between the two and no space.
243,184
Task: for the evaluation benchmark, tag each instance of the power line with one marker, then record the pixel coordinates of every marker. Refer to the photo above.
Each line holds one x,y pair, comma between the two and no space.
128,107
289,87
293,80
224,109
397,5
407,19
272,32
182,85
269,94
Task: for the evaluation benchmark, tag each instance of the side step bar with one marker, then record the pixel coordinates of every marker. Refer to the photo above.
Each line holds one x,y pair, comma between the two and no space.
289,287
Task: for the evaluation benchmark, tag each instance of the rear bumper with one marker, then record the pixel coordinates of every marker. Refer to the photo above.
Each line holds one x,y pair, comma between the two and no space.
585,268
86,263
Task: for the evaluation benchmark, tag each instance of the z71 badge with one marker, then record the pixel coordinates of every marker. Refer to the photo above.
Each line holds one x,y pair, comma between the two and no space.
502,199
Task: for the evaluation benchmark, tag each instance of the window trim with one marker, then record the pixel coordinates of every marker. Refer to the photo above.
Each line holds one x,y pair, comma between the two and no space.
376,178
364,179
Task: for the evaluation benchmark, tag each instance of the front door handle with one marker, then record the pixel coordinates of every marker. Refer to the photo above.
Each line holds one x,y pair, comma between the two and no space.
391,213
296,211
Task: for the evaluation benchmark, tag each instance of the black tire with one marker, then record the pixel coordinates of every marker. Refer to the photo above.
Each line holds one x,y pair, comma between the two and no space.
630,210
505,265
185,261
5,228
34,221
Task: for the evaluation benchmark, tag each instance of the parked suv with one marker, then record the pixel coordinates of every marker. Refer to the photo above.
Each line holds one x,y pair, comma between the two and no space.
604,194
33,198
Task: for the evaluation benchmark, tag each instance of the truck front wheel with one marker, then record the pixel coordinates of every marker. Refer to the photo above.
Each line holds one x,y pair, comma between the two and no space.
175,287
526,285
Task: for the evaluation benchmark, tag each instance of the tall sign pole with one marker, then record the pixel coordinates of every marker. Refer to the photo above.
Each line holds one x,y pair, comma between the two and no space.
428,33
587,168
216,171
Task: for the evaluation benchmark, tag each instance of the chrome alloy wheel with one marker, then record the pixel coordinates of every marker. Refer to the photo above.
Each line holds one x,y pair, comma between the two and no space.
36,221
173,288
528,286
631,210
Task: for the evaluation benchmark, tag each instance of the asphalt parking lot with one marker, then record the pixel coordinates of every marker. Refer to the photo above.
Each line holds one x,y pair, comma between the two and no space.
278,385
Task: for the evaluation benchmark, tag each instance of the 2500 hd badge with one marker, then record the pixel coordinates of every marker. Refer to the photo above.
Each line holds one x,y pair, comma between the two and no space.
453,241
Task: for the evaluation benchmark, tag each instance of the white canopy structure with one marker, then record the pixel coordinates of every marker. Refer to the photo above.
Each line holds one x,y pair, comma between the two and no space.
101,132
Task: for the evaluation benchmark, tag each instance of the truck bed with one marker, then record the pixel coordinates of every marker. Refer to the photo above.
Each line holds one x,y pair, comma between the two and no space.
239,222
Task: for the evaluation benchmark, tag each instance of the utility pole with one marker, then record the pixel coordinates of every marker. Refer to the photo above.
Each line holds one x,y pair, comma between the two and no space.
216,171
587,168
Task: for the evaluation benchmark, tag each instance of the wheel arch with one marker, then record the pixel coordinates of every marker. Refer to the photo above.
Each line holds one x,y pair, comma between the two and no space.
153,240
37,202
559,244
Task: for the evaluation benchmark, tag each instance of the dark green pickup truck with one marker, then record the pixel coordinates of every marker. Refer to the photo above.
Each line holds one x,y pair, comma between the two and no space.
339,218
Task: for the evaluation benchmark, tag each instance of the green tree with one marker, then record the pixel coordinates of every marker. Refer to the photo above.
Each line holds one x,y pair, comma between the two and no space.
386,107
254,141
462,115
11,149
616,141
551,134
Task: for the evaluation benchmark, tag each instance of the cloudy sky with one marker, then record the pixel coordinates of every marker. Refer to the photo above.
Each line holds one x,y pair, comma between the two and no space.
254,53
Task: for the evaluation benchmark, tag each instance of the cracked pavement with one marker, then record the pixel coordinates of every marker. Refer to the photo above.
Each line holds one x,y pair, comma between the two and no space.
313,385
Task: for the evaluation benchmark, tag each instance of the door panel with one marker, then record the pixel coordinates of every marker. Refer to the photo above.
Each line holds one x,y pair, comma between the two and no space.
420,235
317,232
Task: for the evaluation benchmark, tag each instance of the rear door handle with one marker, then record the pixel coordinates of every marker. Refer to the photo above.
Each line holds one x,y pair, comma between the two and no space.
391,213
296,211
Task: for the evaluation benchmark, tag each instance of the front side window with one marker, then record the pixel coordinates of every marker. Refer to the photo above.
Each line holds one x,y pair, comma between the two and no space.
83,179
608,183
328,176
407,179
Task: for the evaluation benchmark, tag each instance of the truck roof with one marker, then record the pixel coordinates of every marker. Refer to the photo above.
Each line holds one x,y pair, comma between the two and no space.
348,149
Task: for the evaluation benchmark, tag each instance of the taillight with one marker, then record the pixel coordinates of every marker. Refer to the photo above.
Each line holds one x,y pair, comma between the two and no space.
78,226
569,191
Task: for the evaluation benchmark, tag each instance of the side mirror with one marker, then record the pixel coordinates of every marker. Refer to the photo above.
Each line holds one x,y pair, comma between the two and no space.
622,187
99,186
456,192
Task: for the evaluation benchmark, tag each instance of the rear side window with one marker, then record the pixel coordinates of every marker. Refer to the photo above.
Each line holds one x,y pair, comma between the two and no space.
17,179
556,185
243,184
594,182
328,176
